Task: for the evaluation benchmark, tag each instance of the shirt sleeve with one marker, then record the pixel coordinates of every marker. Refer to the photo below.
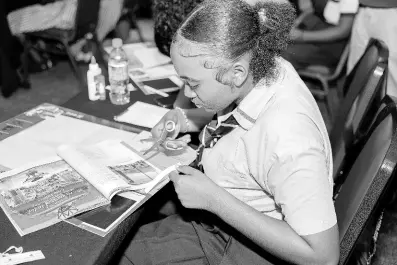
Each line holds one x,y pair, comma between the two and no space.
348,6
299,178
334,9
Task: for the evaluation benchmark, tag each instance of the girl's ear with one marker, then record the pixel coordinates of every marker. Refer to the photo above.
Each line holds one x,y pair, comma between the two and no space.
240,73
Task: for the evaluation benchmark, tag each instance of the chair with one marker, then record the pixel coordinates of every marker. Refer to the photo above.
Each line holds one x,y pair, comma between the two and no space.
365,88
369,183
323,74
85,24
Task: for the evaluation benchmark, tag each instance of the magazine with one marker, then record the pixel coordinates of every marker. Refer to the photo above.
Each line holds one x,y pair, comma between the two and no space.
83,178
42,194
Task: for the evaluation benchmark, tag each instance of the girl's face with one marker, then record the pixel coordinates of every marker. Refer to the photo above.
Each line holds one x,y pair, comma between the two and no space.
200,84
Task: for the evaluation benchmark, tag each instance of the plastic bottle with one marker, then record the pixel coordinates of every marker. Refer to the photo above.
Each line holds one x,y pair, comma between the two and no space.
100,86
93,71
118,74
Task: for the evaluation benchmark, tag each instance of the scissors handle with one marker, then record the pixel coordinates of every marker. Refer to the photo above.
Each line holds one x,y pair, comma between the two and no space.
170,126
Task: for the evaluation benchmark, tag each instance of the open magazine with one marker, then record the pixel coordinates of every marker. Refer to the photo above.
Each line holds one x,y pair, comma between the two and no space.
82,178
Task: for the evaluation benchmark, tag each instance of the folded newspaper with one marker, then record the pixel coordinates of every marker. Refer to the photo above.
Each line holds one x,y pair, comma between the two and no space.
81,178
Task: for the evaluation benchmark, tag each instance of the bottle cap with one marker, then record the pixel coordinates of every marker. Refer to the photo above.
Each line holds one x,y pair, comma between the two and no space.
117,43
93,64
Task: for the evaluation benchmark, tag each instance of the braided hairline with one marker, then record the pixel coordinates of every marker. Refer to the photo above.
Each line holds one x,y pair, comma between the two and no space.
211,58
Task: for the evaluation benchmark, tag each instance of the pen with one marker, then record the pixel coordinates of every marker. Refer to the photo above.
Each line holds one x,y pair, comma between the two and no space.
156,91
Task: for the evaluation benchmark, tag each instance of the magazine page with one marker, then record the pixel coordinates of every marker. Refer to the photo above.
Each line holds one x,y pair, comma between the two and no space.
38,195
102,220
112,167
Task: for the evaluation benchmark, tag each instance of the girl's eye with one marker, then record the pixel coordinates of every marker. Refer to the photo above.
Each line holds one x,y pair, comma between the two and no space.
193,87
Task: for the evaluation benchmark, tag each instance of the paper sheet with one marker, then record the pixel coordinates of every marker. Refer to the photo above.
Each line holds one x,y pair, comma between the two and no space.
41,140
142,114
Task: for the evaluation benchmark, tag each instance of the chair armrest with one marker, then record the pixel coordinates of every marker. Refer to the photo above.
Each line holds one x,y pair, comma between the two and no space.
311,75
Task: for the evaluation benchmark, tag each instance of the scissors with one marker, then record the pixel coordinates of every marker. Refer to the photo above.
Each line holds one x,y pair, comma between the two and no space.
169,127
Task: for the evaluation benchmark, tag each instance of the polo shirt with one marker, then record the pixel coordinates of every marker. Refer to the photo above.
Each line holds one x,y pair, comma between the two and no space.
278,160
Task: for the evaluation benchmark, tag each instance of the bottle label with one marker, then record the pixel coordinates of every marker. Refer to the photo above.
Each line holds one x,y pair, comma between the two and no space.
118,72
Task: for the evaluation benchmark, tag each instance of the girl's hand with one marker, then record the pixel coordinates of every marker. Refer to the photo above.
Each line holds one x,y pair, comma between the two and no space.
194,189
174,115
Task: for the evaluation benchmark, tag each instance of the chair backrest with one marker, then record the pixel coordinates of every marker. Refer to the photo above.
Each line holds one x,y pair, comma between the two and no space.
87,15
366,88
368,182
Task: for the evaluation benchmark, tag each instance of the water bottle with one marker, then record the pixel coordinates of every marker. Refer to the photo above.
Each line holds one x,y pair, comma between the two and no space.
118,74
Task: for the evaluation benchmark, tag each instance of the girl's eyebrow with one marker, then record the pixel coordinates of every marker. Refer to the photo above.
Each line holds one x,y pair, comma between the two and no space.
188,79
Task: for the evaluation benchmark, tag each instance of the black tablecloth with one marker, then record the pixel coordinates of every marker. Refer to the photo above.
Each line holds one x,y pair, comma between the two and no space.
64,243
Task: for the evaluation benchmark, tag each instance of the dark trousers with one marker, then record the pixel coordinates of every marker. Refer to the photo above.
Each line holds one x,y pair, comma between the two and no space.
9,55
195,239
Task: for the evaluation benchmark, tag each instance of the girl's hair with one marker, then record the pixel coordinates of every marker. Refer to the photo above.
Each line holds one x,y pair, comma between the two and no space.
227,29
168,15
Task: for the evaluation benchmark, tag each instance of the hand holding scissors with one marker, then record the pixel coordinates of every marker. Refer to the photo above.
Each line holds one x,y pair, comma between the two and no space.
167,143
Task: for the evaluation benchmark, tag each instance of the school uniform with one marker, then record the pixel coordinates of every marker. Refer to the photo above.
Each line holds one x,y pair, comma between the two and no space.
277,159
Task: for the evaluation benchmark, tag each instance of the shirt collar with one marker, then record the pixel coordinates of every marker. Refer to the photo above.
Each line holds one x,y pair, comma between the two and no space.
248,111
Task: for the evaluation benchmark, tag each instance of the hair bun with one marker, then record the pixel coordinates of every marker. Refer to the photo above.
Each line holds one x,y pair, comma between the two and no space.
266,23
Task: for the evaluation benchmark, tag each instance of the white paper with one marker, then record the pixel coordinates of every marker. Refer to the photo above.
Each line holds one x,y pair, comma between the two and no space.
151,57
142,114
41,140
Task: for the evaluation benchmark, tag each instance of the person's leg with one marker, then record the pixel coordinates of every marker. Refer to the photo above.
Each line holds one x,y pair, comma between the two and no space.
109,15
383,26
172,240
359,38
379,23
302,55
9,63
195,237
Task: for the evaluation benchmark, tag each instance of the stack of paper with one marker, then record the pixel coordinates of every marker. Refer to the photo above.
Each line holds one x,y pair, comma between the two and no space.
142,114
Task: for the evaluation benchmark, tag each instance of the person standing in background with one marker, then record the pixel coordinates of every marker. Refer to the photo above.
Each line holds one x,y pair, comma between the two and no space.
376,19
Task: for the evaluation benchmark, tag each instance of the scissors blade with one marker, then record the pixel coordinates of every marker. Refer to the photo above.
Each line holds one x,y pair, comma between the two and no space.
154,146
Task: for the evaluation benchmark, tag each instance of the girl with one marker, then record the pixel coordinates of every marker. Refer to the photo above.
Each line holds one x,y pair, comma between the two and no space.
264,191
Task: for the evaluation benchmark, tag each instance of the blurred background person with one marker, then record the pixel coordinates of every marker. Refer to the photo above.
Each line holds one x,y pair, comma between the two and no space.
322,35
376,19
61,14
10,48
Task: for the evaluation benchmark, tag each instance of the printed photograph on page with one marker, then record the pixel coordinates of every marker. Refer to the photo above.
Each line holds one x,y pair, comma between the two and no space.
38,196
135,173
121,161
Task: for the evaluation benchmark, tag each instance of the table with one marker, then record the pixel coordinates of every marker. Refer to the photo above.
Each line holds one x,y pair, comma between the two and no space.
64,243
